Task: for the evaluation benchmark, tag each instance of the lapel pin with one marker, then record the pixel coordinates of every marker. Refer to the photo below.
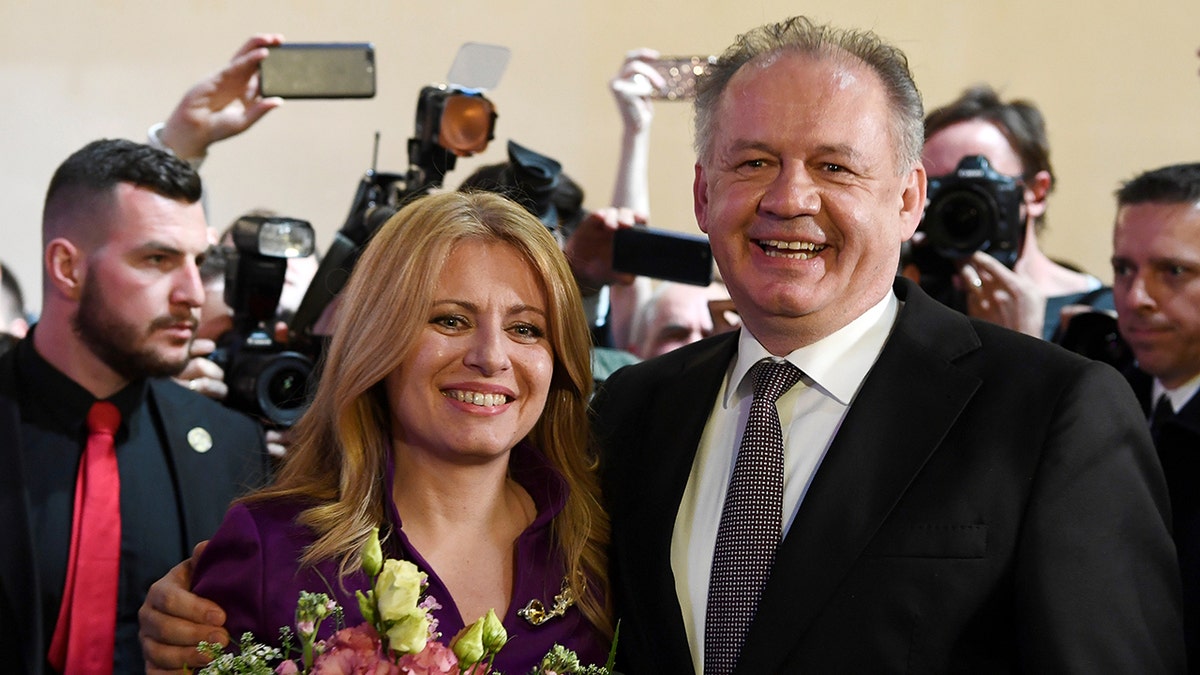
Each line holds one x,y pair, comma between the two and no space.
200,439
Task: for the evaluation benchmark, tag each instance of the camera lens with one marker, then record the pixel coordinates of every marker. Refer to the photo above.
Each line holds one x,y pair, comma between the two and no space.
286,388
271,385
960,222
282,387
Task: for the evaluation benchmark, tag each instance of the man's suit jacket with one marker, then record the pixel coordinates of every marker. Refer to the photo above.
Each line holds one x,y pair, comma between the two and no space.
205,482
990,503
1178,447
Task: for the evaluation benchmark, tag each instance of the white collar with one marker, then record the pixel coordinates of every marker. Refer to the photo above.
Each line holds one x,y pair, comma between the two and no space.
837,363
1179,396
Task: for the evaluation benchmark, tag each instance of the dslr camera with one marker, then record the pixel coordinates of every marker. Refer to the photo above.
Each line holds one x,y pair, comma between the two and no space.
974,209
266,378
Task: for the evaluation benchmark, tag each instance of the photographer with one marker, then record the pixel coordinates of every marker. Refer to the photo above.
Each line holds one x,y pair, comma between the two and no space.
1029,293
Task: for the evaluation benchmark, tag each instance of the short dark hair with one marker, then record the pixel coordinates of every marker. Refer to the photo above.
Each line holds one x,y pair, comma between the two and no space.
1019,120
799,34
96,168
1173,184
216,260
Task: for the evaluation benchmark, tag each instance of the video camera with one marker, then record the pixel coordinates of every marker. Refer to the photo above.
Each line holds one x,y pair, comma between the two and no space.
266,378
975,208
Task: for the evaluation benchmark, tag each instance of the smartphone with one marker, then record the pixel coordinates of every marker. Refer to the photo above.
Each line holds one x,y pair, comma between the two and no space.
680,72
662,254
318,70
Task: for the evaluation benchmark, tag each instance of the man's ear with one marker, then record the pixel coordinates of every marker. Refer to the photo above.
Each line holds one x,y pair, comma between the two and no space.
912,201
1036,191
700,198
65,267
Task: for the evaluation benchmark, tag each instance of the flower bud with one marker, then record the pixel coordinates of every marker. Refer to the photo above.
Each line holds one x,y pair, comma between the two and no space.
366,605
494,635
468,644
372,554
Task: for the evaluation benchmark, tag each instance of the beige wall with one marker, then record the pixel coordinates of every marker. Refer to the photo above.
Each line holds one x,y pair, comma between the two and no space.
1116,80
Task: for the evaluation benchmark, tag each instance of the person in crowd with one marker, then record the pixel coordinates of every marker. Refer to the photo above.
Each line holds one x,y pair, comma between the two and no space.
1156,288
452,415
1011,135
13,320
674,315
94,523
216,317
934,492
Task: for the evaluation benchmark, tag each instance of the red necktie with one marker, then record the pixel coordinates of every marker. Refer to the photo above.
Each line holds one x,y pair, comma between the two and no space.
86,629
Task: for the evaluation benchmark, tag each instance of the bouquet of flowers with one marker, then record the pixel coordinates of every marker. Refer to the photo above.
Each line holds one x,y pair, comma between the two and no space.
399,635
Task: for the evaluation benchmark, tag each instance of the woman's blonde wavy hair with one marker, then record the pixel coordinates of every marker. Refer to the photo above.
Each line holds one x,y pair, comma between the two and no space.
338,456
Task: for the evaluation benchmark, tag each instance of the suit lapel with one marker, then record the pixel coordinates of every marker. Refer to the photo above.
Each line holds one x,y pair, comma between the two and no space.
905,407
680,406
189,474
18,572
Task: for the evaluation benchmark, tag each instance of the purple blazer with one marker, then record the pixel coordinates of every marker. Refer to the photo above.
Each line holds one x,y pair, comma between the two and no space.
250,569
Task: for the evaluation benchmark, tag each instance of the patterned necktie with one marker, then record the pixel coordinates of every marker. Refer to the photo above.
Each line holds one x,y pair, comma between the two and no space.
86,629
1163,412
751,522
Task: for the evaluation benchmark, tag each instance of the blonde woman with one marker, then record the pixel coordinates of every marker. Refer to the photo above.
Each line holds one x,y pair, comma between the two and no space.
452,413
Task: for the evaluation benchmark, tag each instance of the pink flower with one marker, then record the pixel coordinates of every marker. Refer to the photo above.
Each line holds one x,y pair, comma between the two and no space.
435,659
288,667
354,651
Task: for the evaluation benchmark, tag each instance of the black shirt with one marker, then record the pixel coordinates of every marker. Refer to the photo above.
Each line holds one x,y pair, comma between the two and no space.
53,435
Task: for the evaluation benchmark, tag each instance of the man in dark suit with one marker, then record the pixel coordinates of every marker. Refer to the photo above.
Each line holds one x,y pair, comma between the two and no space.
124,233
1156,282
956,497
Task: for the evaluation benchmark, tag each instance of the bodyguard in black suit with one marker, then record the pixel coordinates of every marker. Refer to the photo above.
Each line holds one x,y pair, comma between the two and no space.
1156,289
980,501
124,234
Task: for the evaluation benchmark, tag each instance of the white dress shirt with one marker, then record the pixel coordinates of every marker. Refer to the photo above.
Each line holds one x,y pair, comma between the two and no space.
810,413
1179,396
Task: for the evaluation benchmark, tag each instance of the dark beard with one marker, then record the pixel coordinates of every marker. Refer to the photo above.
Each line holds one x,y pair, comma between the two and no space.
111,340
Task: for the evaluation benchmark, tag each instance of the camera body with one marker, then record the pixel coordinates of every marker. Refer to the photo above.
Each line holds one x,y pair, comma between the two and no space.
974,209
267,378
